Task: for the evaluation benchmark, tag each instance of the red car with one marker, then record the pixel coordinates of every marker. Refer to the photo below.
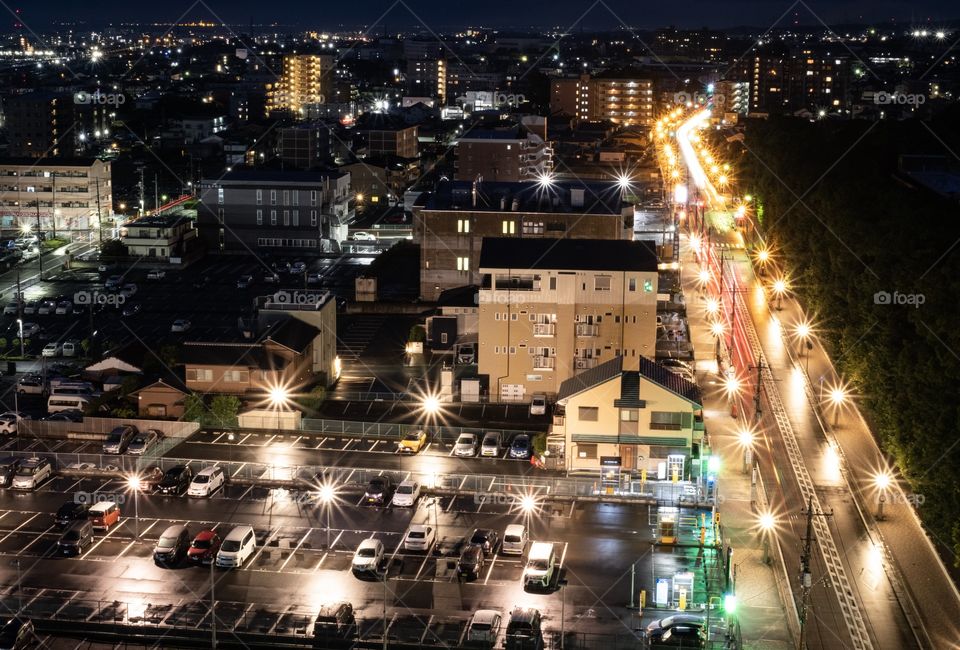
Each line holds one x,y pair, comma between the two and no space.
203,549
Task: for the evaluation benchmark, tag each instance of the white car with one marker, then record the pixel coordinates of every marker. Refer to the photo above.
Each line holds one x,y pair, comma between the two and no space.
492,444
11,308
52,349
32,473
237,546
47,307
82,466
466,445
363,236
10,420
538,404
368,557
420,537
64,307
406,495
30,329
206,482
180,325
485,627
156,274
128,290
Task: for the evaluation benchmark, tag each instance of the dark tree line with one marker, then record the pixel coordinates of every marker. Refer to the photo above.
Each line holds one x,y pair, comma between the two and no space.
863,228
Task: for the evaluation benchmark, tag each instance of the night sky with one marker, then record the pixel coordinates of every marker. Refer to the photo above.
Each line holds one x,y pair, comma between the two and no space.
439,14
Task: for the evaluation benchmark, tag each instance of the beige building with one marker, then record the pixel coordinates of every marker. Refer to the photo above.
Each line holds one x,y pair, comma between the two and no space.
502,155
623,101
550,309
161,238
73,195
306,79
611,417
450,223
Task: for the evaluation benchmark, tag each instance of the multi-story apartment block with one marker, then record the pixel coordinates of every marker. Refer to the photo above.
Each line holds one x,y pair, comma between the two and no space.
427,78
305,146
789,81
306,79
622,100
502,155
249,209
552,309
451,222
55,195
385,138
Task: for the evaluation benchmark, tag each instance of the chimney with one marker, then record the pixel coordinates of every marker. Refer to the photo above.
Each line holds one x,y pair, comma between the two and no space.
576,197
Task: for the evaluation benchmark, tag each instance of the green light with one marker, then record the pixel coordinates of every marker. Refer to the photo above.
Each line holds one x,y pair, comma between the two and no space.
713,464
730,604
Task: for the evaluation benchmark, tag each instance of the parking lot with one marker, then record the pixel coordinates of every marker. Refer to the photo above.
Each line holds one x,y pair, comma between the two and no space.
595,546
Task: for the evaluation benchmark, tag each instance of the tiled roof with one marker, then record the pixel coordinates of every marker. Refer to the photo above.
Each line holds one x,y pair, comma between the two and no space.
590,378
671,381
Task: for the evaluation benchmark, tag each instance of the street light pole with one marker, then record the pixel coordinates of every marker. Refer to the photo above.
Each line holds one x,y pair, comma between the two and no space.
213,607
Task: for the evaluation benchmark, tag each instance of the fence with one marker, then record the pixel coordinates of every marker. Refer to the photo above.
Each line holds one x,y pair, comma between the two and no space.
102,426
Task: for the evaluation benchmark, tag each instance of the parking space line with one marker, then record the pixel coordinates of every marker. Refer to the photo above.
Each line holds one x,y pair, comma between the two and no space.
563,555
490,570
101,541
272,438
266,543
36,539
374,445
244,439
32,517
294,551
320,563
242,465
424,563
217,439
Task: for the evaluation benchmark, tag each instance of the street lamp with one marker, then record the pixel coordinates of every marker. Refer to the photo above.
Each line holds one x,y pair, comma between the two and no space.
703,278
134,483
712,307
881,481
838,397
279,396
732,387
747,438
767,523
328,495
779,288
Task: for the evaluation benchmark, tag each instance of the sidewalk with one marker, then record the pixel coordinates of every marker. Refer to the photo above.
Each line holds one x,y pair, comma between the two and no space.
760,608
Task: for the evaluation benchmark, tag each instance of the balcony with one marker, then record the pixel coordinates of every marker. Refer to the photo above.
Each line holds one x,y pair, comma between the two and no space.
585,329
583,364
544,329
544,363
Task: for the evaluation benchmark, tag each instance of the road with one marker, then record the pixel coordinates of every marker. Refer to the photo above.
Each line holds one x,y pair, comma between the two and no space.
799,458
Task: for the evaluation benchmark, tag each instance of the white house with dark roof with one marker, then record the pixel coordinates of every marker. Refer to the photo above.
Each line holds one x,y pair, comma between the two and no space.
647,418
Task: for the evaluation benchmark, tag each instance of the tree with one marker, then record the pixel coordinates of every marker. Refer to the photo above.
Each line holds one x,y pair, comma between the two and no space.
223,411
312,401
113,248
129,384
194,408
417,334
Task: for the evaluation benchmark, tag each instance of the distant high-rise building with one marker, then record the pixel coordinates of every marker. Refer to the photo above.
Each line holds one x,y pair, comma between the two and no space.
41,124
786,82
306,79
427,78
502,155
305,145
622,100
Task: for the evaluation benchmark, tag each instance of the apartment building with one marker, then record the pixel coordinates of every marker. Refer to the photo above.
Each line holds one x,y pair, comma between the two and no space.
509,155
254,209
550,309
161,238
451,222
305,146
622,100
306,79
317,309
72,195
427,78
615,418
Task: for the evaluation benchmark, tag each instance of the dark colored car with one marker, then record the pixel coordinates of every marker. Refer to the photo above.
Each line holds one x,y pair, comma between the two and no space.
119,439
70,512
77,537
449,546
8,467
486,539
689,637
149,478
379,491
172,545
334,622
471,562
16,633
203,549
520,447
176,480
524,630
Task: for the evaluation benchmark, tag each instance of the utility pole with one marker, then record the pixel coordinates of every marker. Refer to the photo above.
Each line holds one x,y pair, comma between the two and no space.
99,222
757,409
143,201
53,205
806,578
40,251
213,607
156,196
23,353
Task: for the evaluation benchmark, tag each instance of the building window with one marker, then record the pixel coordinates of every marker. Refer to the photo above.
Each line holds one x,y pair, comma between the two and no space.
313,197
629,415
553,284
313,217
463,225
601,283
259,197
533,228
157,410
286,217
199,374
666,420
648,286
443,337
588,413
220,195
632,285
273,197
296,197
296,217
509,227
586,450
259,217
463,263
236,376
273,217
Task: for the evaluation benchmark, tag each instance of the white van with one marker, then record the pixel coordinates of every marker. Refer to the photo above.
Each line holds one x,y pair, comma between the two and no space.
72,389
237,547
57,403
70,349
541,566
514,540
206,482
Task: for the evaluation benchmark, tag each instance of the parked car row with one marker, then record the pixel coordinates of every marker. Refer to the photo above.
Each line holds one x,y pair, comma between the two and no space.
469,445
